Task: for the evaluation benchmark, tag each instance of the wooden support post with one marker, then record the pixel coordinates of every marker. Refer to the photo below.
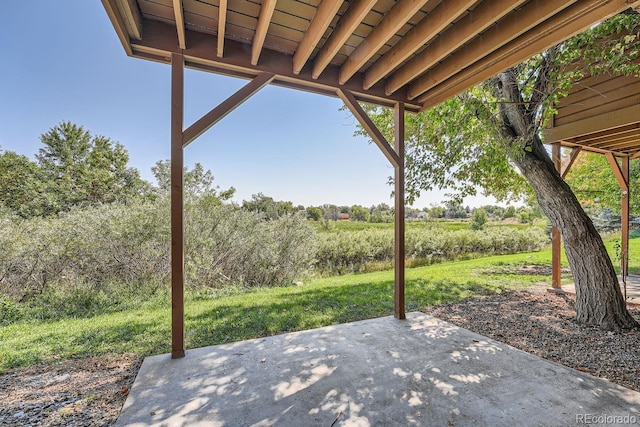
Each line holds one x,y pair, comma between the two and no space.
556,238
395,155
622,176
177,207
399,304
624,229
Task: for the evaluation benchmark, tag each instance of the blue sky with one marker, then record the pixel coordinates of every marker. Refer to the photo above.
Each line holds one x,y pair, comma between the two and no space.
63,61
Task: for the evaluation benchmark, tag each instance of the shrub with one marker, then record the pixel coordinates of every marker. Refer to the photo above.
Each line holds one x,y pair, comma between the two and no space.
478,219
344,252
88,253
225,245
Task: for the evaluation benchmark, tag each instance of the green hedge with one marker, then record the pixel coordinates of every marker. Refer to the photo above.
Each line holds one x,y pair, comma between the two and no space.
343,252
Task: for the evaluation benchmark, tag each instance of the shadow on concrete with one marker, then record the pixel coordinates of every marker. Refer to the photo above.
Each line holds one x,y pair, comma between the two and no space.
377,372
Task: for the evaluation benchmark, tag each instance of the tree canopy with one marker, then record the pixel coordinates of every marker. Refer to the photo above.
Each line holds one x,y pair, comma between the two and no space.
72,168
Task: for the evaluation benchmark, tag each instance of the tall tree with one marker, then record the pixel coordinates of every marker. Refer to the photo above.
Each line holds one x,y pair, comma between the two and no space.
83,169
476,139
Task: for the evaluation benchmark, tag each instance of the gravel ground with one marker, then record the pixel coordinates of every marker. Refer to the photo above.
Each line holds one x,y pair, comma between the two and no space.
543,324
83,392
91,392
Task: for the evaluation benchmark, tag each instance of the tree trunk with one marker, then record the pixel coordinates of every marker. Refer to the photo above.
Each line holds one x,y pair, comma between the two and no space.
599,300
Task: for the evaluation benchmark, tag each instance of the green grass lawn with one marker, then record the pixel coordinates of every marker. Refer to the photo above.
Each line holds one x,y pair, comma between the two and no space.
214,319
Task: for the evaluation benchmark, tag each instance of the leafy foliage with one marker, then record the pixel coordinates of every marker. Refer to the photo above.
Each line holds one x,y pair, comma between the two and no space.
267,206
343,252
128,246
478,219
72,168
84,169
592,180
448,148
23,187
196,183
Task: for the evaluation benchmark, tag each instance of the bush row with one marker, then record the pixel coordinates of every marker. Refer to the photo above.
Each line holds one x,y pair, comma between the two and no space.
344,252
128,247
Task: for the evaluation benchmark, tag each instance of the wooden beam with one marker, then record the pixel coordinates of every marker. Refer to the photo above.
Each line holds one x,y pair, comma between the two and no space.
343,30
178,11
623,181
131,17
375,134
395,19
266,12
222,24
399,225
564,170
227,106
118,23
467,28
177,207
556,237
600,122
605,135
428,28
159,42
574,19
629,142
493,38
319,24
589,149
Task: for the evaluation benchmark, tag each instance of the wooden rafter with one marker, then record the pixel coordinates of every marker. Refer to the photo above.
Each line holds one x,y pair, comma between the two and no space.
227,106
609,134
434,23
120,26
222,23
483,16
344,29
597,123
266,12
565,24
585,148
510,28
158,42
326,12
398,16
131,17
179,16
618,142
352,103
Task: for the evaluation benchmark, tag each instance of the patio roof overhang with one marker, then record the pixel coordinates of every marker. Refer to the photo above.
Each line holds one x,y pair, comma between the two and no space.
405,54
419,52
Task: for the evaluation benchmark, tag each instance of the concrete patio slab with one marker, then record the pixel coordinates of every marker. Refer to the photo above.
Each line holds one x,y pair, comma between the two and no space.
380,372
